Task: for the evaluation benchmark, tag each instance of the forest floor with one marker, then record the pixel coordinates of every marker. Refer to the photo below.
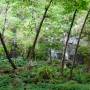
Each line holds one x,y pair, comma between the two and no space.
41,77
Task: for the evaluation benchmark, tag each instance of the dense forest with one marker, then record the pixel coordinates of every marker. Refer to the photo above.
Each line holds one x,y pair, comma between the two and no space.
44,44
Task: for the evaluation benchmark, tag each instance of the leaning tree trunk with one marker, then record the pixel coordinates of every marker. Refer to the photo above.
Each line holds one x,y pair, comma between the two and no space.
3,43
63,58
6,51
31,52
74,59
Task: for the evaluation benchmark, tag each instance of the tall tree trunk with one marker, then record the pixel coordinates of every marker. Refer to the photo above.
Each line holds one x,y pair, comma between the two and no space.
31,52
63,58
3,43
6,51
74,59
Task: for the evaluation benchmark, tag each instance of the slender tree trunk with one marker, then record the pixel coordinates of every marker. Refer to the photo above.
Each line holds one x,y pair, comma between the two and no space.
34,17
74,59
6,51
14,44
3,43
5,20
63,58
50,57
31,52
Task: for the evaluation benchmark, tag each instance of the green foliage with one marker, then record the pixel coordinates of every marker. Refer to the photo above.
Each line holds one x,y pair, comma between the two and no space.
85,51
20,62
45,73
4,64
5,80
24,16
71,5
1,50
42,52
45,78
67,86
82,78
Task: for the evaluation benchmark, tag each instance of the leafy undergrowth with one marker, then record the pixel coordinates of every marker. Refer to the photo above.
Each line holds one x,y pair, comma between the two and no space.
42,77
18,85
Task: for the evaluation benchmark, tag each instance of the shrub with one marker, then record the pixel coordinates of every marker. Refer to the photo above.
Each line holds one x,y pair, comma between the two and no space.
82,77
85,51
